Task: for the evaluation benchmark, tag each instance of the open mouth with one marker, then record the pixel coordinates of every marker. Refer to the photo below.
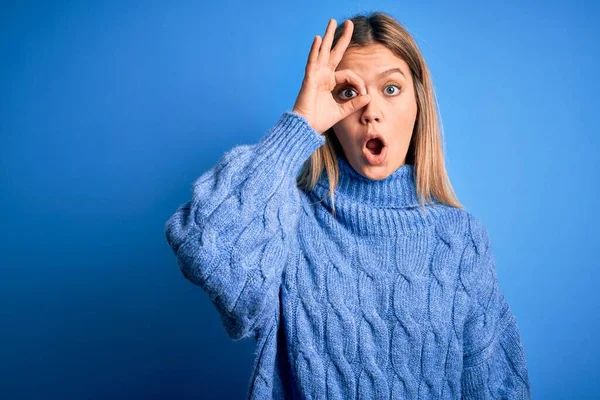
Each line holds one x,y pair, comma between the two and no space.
375,151
375,146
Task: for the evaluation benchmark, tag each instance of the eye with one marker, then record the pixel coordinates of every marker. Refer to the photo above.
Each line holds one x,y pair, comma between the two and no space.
392,93
392,86
344,91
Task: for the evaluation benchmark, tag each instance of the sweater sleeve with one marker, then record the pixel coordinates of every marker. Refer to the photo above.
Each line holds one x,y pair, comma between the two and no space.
234,236
494,364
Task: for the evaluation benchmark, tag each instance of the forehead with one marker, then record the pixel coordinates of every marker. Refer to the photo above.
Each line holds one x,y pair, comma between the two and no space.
372,59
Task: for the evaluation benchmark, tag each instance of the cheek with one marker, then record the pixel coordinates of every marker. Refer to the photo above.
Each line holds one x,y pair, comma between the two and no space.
406,118
407,111
343,131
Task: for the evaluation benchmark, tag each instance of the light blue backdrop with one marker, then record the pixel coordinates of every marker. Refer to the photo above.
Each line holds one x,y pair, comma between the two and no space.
108,113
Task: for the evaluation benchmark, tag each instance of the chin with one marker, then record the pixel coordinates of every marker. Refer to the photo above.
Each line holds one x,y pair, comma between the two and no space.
374,172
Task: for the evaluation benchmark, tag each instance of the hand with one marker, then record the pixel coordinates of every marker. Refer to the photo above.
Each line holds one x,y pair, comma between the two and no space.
315,101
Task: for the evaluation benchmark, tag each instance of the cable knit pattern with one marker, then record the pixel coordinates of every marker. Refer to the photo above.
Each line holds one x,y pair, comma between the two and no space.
386,300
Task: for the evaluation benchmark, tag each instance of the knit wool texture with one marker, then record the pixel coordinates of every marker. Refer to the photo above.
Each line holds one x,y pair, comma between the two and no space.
380,301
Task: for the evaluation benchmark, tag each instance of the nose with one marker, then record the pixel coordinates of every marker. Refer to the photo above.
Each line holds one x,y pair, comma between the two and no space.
370,113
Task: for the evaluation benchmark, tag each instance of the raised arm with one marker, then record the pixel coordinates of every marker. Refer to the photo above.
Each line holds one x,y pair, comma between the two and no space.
234,237
494,363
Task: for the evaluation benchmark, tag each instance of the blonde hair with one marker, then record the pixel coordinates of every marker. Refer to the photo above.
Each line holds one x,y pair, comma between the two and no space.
425,150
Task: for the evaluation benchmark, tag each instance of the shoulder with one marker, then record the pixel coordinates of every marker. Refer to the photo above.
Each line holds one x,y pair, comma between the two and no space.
461,223
477,233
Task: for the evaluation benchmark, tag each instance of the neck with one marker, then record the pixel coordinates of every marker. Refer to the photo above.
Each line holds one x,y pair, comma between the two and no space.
398,190
365,206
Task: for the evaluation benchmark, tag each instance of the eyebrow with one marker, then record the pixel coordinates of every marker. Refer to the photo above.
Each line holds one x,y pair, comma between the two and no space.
389,72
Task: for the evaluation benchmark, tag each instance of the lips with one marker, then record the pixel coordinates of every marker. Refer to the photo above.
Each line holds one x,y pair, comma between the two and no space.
374,149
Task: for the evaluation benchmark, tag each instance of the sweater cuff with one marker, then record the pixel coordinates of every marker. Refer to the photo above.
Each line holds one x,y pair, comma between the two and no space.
290,142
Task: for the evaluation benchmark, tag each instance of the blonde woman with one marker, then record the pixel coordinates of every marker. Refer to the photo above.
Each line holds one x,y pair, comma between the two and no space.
337,241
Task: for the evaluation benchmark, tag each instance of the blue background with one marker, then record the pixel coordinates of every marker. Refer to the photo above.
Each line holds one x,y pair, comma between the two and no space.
108,114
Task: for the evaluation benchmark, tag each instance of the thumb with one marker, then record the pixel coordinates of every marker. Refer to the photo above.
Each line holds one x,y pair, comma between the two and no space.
355,104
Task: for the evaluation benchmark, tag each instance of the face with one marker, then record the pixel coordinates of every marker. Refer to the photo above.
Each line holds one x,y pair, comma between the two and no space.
390,114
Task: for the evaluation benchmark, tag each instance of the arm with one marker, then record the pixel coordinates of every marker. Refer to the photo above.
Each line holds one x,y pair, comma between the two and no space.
494,364
234,236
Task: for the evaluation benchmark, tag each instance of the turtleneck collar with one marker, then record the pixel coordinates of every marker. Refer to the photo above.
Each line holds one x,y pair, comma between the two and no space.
398,190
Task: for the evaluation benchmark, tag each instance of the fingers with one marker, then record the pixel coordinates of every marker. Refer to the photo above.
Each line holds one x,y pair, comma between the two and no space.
314,53
327,40
353,79
348,76
341,45
353,105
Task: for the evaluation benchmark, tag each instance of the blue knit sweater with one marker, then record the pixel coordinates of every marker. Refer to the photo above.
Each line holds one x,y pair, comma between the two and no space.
381,301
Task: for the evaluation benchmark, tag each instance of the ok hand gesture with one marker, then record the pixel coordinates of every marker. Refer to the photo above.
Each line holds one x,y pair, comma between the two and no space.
315,101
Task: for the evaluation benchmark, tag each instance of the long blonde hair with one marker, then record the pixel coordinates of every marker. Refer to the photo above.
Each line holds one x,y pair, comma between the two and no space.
425,150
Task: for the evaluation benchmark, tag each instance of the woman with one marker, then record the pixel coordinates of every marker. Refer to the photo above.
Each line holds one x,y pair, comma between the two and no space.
337,242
